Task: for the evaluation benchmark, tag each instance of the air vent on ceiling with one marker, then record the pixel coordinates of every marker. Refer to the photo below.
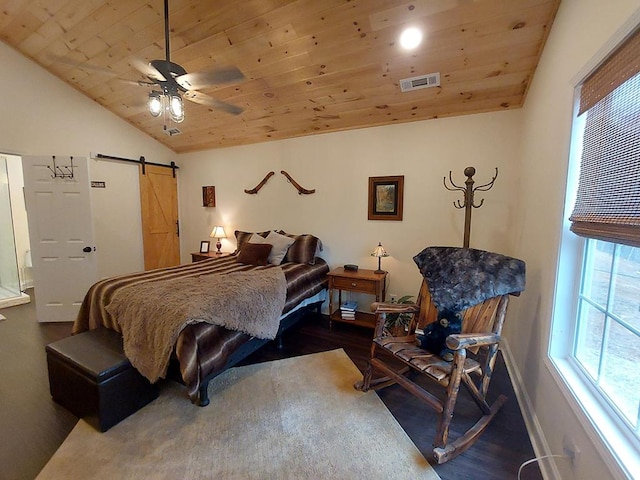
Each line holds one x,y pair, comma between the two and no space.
422,81
172,131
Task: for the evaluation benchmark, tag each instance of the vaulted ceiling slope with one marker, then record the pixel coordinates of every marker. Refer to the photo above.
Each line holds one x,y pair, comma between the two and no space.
311,66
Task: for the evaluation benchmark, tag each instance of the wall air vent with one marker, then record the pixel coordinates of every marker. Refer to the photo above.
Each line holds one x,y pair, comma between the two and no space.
422,81
172,131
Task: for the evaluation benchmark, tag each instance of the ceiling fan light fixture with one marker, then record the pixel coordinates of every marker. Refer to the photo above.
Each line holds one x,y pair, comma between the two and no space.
175,84
176,108
155,103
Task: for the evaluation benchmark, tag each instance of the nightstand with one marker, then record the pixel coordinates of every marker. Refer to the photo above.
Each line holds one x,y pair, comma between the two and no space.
196,257
362,281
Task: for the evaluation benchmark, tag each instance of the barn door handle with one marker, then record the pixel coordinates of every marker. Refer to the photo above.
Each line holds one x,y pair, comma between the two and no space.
87,249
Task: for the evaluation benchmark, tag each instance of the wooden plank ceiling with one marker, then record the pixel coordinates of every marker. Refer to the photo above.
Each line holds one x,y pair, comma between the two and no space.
311,66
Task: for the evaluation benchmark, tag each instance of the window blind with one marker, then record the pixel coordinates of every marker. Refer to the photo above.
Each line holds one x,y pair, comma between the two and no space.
619,67
607,204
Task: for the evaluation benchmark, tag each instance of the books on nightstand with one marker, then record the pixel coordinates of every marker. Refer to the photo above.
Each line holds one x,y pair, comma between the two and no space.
348,310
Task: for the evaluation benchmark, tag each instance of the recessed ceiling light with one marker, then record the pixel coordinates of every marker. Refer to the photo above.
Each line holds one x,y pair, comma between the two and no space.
410,38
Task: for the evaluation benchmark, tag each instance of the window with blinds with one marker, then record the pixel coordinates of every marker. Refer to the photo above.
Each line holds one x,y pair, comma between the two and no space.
607,204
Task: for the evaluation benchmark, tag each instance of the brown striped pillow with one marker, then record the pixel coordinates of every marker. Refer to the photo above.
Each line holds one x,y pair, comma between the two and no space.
243,237
303,249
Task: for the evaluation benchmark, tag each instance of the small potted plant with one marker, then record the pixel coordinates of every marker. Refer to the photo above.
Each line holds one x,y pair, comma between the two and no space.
396,323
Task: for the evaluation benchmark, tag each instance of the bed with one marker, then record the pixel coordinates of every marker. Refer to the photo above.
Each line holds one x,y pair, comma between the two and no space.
203,350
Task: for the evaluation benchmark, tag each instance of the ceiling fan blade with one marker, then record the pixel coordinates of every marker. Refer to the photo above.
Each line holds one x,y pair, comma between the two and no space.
81,65
99,70
139,83
199,80
203,99
147,70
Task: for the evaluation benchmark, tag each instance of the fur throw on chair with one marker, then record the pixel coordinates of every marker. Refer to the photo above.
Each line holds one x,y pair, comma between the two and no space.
459,278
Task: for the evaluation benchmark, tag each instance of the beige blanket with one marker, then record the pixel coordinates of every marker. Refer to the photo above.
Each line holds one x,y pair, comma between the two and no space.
151,315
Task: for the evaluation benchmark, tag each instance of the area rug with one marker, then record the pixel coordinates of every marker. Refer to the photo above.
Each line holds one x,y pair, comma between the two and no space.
297,418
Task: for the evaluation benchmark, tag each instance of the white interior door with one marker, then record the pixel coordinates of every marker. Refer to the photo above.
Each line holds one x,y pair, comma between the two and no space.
61,235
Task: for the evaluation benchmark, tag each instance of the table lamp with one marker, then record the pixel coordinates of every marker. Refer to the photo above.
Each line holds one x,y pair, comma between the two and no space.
218,233
379,252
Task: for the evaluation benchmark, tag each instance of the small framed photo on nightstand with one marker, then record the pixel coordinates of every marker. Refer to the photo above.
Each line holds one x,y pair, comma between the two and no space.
204,246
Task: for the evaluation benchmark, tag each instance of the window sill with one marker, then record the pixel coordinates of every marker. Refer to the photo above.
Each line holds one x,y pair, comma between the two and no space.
617,448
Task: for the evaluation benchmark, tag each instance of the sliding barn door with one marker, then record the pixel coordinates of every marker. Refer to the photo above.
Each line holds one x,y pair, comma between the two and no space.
160,228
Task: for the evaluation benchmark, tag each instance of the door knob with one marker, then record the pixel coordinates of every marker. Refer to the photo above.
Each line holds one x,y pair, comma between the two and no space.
87,249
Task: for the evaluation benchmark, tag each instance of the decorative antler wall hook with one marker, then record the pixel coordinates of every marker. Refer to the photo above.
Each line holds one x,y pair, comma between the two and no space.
257,188
300,189
469,192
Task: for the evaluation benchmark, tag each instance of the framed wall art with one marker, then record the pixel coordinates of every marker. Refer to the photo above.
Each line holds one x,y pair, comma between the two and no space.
385,197
209,196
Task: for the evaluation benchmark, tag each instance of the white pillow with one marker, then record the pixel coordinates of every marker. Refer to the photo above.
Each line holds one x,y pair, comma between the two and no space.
255,238
281,244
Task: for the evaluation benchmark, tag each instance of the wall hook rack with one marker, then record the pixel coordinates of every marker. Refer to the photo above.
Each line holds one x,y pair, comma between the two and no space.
469,201
58,171
257,188
298,187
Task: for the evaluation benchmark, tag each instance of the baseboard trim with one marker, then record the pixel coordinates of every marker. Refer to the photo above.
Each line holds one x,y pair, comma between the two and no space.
536,435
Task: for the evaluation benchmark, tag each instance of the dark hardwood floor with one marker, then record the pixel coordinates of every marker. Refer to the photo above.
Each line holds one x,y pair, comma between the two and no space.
32,426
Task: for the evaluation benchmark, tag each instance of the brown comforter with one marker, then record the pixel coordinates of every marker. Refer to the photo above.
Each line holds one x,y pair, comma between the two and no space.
201,348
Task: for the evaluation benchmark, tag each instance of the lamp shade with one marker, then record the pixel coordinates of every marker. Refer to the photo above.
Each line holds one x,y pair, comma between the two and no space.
379,251
218,232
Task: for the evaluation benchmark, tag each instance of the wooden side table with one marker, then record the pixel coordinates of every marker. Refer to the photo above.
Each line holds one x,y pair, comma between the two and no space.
362,281
197,256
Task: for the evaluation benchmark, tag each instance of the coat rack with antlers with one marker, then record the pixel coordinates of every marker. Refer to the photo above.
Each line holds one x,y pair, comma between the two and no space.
468,202
301,190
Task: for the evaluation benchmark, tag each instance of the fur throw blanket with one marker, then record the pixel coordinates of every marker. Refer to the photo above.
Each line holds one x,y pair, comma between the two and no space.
152,315
459,278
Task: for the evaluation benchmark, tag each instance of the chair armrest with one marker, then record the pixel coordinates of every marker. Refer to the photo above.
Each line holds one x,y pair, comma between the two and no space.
459,341
379,307
382,309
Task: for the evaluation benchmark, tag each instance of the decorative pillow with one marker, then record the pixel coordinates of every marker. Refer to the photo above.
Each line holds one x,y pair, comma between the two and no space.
257,238
254,253
243,237
304,249
281,244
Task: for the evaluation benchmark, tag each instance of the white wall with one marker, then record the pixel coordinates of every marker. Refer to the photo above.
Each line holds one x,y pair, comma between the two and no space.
338,166
581,28
45,117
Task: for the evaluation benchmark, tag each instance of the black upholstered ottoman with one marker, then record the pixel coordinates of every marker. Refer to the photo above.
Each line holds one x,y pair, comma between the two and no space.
91,377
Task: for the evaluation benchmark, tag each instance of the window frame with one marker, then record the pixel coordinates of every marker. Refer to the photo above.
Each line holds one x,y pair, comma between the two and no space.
618,447
611,319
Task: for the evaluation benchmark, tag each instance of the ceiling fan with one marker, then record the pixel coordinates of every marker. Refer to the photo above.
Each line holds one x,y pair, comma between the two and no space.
174,82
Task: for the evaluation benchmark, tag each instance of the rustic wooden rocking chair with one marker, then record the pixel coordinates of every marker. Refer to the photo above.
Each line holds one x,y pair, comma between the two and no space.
481,328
